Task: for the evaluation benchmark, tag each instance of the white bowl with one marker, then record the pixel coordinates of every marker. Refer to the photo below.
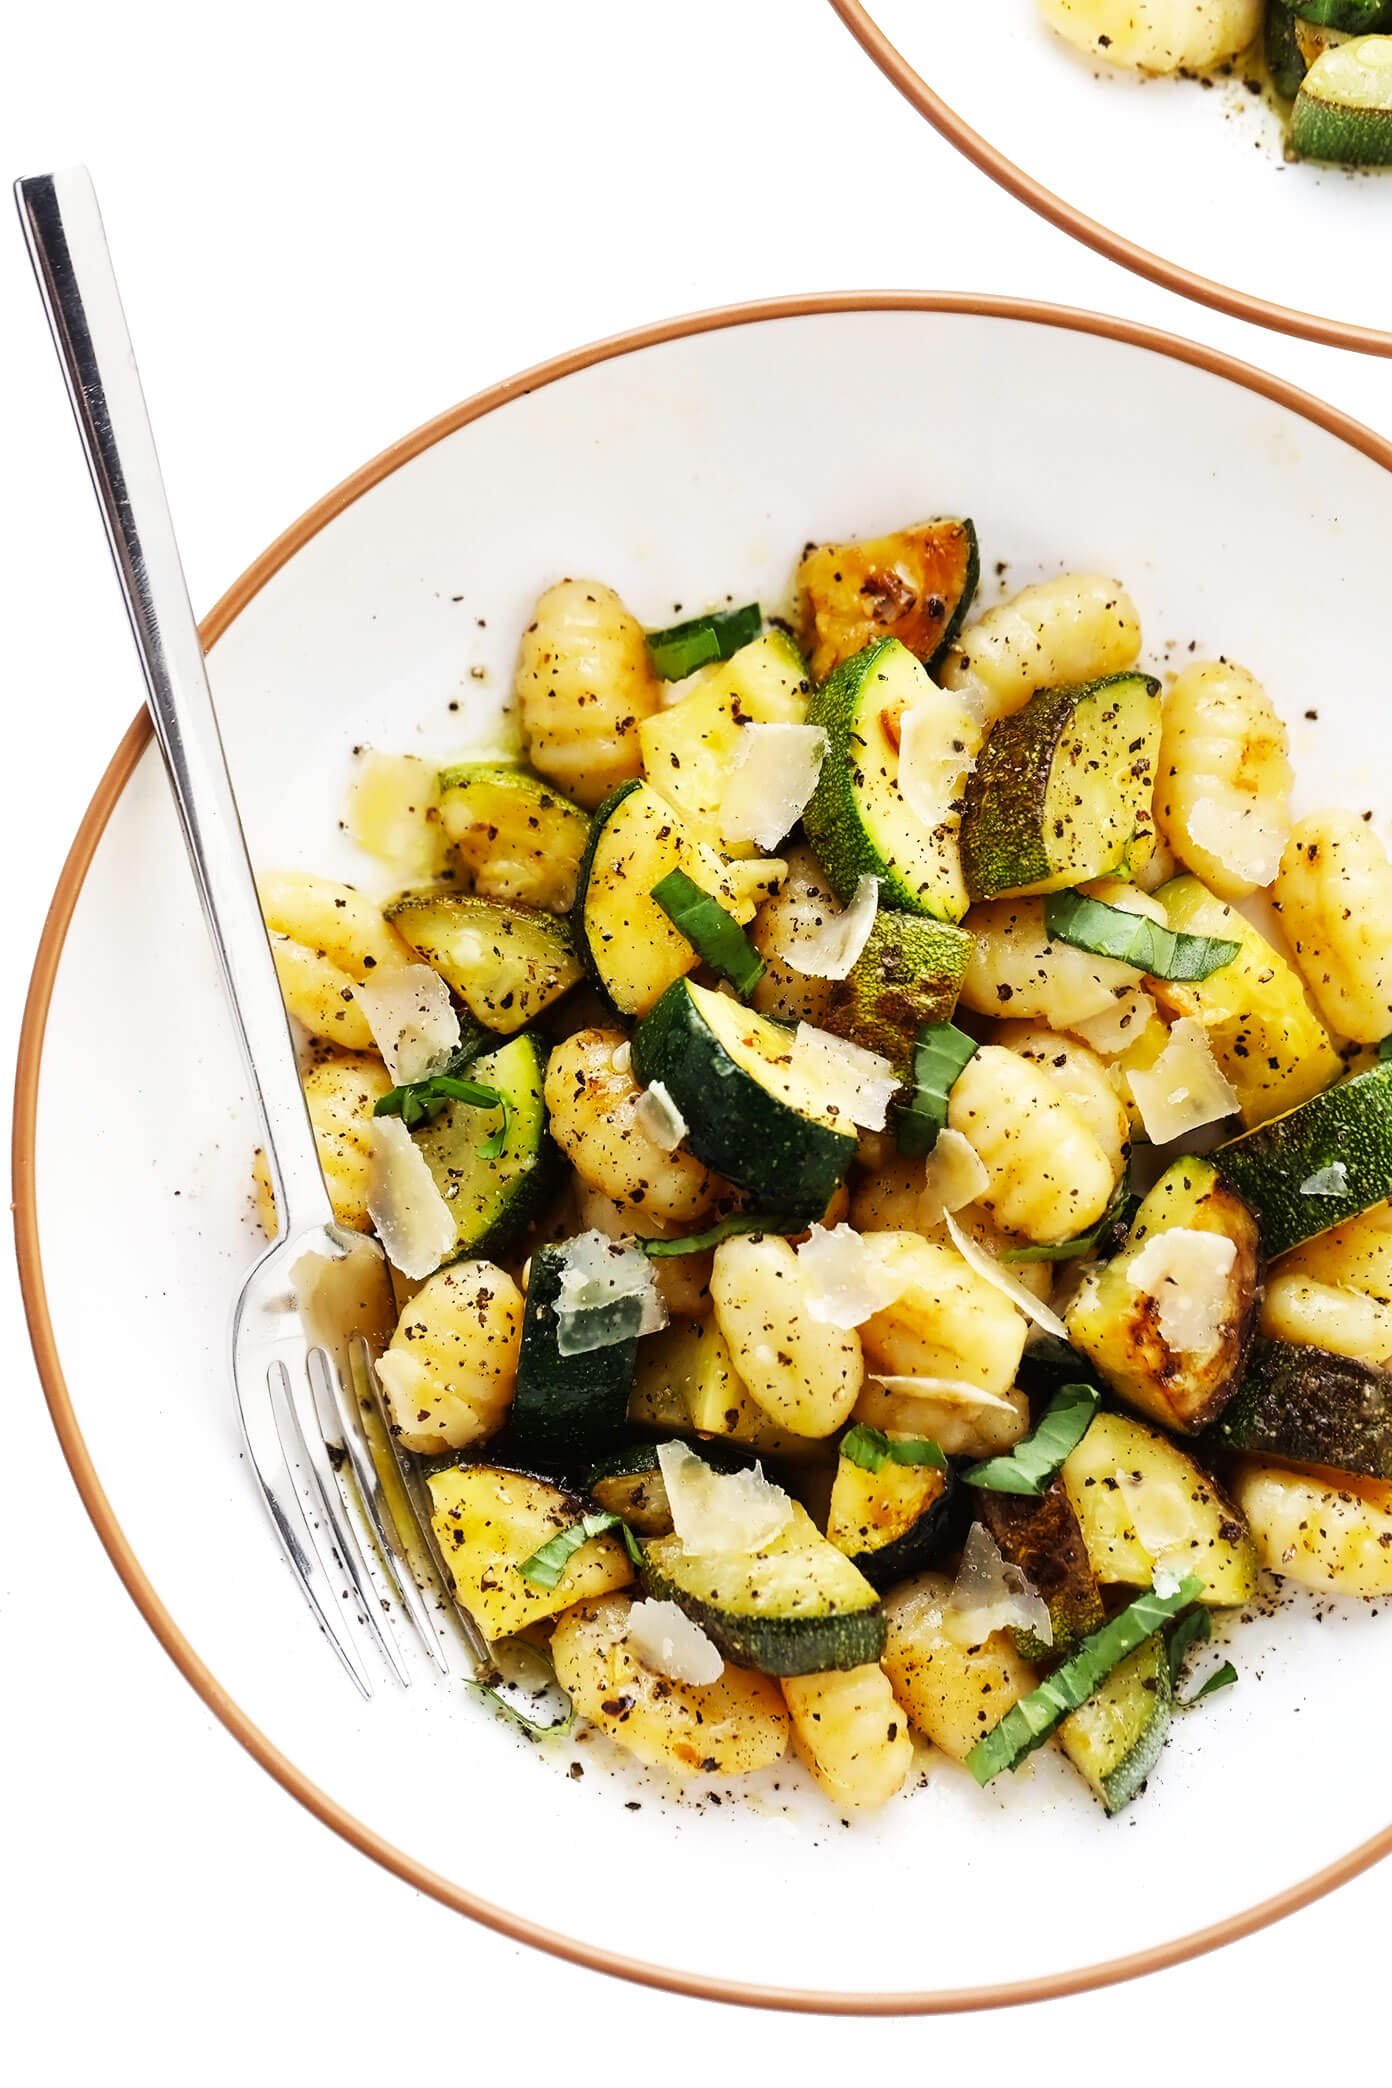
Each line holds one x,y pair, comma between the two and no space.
678,464
1188,187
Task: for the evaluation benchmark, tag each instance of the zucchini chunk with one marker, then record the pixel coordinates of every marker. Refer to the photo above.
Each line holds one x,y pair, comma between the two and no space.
506,961
687,1380
953,1693
1114,1739
1330,1531
492,1198
1264,1032
691,748
629,1483
1285,60
916,586
1132,1315
488,1519
798,1607
907,976
1124,1474
1317,1165
858,820
567,1409
1043,1538
749,1114
513,836
893,1521
1313,1407
629,945
1061,791
1343,111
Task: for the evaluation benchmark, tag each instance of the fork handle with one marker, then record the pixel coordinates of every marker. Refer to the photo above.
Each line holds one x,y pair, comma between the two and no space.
67,245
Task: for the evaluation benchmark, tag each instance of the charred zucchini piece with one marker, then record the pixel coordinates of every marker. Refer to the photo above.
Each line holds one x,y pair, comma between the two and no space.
513,836
915,585
893,1521
506,961
1043,1538
690,749
1114,1739
1317,1165
1313,1407
908,975
1124,1477
1124,1310
687,1373
1061,791
488,1519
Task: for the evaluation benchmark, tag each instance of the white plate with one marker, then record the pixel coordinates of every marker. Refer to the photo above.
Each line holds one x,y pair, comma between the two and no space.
1188,185
680,465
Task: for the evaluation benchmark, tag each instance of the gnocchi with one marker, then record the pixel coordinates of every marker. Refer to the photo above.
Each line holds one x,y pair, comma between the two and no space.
1334,897
1161,36
1075,627
1049,1177
1016,970
947,1321
850,1731
451,1369
1327,1530
585,682
340,1093
1081,1077
594,1102
1222,799
804,1374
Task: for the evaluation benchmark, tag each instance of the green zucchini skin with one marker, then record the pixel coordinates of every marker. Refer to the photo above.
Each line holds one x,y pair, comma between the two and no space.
591,955
494,1201
781,1158
1313,1407
1284,59
1343,110
909,973
1114,1740
807,1634
928,1536
1043,1538
1351,1123
567,1409
1357,16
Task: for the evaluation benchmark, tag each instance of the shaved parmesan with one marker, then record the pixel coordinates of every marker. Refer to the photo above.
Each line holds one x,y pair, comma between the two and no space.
1008,1284
954,1176
774,776
1332,1180
857,1084
1188,1274
939,738
1241,838
830,945
961,1419
413,1221
393,812
412,1020
607,1294
846,1278
658,1117
720,1511
1127,1018
1184,1089
951,1391
669,1643
990,1595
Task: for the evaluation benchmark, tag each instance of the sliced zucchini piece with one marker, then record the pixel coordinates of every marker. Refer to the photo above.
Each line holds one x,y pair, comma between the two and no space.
506,961
1357,17
858,821
1317,1165
908,975
1264,1032
798,1607
893,1521
916,586
629,1483
513,836
749,1113
691,748
567,1409
487,1519
1043,1538
1313,1407
1123,1475
1114,1739
494,1196
1123,1313
687,1373
1285,59
1061,791
953,1693
1328,1530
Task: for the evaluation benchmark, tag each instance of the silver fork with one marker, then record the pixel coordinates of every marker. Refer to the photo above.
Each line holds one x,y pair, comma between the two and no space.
303,1433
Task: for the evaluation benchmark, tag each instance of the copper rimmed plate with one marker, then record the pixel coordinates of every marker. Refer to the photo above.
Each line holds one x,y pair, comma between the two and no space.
1183,181
680,462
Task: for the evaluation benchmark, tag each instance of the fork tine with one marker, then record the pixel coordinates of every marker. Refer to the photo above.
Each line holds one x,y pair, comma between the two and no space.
308,1453
292,1527
326,1388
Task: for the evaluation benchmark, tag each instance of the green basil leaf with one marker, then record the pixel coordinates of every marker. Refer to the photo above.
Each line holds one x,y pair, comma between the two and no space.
1222,1678
682,648
547,1564
939,1055
532,1679
1082,1243
870,1448
1195,1629
420,1101
715,935
493,1145
1028,1468
724,1229
1110,931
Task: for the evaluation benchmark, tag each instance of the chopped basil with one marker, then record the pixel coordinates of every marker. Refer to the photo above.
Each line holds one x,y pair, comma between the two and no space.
1028,1468
522,1680
1029,1723
724,1229
715,935
546,1565
1110,931
870,1448
1082,1243
682,648
939,1055
1195,1629
419,1102
1222,1678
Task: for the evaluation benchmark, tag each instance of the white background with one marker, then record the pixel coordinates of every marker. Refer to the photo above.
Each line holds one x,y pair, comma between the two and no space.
330,222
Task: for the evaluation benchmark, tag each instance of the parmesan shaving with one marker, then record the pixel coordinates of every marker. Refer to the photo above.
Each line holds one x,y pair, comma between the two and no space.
939,738
846,1278
1188,1274
991,1595
857,1084
1239,837
668,1642
412,1019
774,776
1009,1285
1184,1089
954,1176
721,1511
1127,1019
607,1294
1332,1180
829,947
413,1221
952,1391
658,1117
